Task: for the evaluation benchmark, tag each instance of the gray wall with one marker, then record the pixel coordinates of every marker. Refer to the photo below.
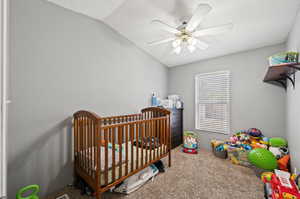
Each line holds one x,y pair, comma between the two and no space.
293,101
62,62
254,103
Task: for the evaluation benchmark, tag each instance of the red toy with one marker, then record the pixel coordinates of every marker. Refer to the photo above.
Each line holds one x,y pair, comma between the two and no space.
191,151
282,188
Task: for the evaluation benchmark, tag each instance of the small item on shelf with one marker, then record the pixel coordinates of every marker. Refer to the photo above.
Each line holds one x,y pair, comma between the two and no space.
175,101
166,103
283,58
154,100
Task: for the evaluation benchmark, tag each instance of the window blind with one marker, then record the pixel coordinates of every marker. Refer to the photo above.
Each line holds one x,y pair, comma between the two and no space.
213,97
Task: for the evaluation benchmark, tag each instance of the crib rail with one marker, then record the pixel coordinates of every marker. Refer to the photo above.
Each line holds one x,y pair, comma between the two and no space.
108,150
120,119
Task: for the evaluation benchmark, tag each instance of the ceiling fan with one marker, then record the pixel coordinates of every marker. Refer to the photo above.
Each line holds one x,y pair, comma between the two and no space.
187,35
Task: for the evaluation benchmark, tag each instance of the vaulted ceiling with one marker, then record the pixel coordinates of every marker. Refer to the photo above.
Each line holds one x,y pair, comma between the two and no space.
257,23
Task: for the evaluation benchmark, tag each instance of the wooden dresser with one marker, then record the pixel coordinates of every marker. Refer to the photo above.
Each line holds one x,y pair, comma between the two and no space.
176,127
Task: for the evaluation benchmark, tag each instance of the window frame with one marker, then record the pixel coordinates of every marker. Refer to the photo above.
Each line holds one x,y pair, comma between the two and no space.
4,7
196,108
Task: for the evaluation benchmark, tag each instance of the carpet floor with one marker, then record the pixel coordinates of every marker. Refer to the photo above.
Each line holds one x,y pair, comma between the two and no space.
201,176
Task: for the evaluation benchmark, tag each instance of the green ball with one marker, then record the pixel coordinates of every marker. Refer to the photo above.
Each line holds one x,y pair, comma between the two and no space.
278,142
263,159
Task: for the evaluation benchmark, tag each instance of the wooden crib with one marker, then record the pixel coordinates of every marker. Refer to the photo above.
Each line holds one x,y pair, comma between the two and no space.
107,150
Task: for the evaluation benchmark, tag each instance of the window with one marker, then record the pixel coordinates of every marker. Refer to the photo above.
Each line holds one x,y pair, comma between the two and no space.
213,96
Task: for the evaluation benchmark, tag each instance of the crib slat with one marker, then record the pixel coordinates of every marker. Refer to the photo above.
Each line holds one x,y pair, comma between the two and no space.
76,139
146,138
166,136
95,148
92,145
137,148
126,149
98,154
154,137
131,140
113,156
106,131
158,138
85,144
142,142
89,147
149,139
81,143
163,136
120,140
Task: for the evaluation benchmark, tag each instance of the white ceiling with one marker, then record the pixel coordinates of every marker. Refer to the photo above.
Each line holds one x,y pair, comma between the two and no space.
257,23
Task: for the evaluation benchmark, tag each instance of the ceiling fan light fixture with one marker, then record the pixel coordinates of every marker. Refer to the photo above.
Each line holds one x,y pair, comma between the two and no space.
191,48
176,43
177,50
192,41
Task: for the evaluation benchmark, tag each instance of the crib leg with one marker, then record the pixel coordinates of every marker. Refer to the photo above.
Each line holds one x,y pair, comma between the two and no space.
170,158
98,194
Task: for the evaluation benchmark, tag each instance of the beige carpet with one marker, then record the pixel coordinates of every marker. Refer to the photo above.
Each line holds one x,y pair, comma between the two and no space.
200,176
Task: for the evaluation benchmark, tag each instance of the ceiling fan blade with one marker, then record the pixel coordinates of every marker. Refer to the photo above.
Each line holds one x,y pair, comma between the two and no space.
214,30
201,12
161,41
201,45
165,26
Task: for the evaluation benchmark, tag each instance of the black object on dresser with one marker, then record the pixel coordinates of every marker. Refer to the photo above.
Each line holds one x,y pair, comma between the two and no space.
176,127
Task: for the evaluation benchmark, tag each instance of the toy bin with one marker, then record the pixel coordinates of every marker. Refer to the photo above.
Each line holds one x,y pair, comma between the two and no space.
218,153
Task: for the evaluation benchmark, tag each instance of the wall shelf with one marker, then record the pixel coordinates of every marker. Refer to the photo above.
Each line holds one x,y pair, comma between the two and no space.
280,74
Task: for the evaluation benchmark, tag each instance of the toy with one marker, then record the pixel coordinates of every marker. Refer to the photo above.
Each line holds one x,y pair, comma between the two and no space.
255,132
34,190
266,139
256,144
276,151
278,142
191,151
233,139
266,176
283,163
279,152
246,147
190,142
262,158
238,156
284,150
282,187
